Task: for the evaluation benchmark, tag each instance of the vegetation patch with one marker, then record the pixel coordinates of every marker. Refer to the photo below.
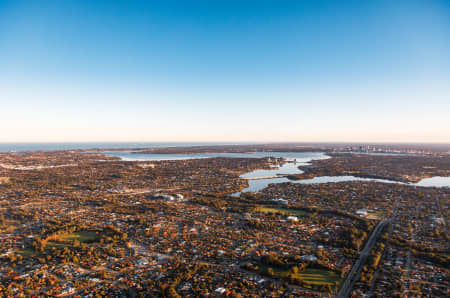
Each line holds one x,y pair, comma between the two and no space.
378,214
311,274
28,252
283,211
319,277
82,236
55,244
69,239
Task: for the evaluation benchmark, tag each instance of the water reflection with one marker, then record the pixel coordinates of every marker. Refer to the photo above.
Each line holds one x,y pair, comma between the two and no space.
301,158
258,185
434,182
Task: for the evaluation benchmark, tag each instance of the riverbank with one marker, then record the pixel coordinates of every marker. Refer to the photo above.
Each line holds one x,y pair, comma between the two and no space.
400,168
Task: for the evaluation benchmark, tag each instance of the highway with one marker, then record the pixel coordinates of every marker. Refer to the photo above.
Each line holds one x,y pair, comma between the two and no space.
353,276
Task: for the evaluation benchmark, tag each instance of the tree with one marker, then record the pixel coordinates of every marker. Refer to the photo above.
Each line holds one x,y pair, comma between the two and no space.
172,293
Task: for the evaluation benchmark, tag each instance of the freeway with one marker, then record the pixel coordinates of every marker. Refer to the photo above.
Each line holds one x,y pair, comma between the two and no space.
353,276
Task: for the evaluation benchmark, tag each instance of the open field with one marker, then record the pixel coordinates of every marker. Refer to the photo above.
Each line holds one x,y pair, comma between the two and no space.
82,236
319,277
312,278
284,211
28,252
379,214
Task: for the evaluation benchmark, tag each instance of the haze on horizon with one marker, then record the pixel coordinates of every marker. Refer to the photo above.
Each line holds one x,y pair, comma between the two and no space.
229,71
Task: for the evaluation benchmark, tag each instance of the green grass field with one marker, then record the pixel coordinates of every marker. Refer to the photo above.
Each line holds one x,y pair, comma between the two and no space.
51,244
28,252
378,214
284,211
311,276
82,236
320,277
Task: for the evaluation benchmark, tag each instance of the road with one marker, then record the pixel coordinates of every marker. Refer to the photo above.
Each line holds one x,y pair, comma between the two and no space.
353,276
374,279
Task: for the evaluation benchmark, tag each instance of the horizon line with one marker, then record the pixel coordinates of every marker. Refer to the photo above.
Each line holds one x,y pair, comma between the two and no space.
230,142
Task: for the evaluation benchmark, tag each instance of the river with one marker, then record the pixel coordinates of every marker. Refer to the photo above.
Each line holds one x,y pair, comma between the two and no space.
260,179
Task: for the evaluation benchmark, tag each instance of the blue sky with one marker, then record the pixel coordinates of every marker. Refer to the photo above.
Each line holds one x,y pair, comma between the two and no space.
225,71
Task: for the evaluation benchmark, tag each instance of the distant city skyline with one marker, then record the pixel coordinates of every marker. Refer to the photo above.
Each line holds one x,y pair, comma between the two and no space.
228,71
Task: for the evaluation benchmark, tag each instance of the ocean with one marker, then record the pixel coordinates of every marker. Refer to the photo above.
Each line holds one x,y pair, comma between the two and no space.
17,147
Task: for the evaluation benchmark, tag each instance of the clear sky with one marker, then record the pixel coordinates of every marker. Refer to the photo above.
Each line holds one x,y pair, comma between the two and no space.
225,71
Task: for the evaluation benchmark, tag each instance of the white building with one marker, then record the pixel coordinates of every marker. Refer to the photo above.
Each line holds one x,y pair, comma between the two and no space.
361,212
